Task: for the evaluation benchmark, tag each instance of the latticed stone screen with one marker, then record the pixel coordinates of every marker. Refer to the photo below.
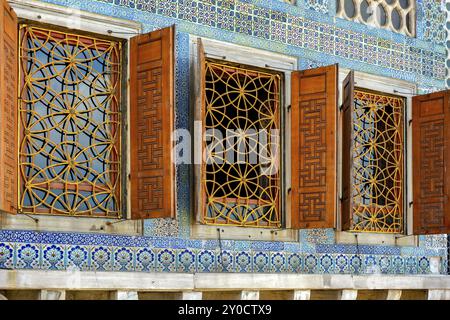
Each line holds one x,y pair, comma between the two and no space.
69,153
395,15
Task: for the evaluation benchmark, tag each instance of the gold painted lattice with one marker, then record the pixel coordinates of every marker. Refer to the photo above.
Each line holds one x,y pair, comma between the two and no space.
70,123
240,178
378,162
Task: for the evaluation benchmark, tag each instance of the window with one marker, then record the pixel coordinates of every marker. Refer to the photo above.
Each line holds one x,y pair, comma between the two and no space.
378,149
69,124
242,121
395,15
282,180
68,150
241,181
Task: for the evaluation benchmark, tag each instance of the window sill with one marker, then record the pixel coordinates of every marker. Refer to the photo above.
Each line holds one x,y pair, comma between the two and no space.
70,224
207,232
344,237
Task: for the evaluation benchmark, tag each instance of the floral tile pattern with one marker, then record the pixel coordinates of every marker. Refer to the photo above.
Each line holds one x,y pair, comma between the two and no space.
189,260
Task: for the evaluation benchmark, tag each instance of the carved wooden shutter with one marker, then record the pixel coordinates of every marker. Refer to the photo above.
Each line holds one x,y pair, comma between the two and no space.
9,108
347,147
313,161
151,127
431,163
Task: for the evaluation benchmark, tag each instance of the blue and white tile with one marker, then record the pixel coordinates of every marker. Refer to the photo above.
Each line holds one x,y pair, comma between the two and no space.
53,257
398,265
327,263
166,260
101,258
385,264
225,261
423,264
311,264
7,251
370,264
278,262
355,263
77,256
341,263
261,261
243,261
206,261
145,259
28,256
294,263
411,265
186,260
123,259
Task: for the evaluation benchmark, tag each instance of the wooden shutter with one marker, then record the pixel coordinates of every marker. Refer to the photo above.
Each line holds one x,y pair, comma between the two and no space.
313,145
431,163
347,147
8,108
152,122
200,202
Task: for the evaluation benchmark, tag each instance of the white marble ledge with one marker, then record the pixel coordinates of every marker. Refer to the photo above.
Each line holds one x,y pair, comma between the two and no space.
136,281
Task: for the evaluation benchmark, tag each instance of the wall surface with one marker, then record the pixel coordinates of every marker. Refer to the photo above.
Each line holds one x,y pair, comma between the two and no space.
309,31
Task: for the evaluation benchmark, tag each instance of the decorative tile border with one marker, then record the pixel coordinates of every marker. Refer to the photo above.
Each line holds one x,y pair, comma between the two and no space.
59,251
75,241
187,260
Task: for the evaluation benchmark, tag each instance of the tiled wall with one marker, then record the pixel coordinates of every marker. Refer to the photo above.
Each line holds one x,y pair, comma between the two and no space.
66,251
307,30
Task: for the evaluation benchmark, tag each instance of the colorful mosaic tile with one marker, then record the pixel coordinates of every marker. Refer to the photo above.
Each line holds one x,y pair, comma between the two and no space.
434,17
318,5
273,21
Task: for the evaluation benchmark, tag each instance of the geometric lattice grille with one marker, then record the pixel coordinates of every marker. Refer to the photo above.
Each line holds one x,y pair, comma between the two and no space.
378,162
241,180
69,123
